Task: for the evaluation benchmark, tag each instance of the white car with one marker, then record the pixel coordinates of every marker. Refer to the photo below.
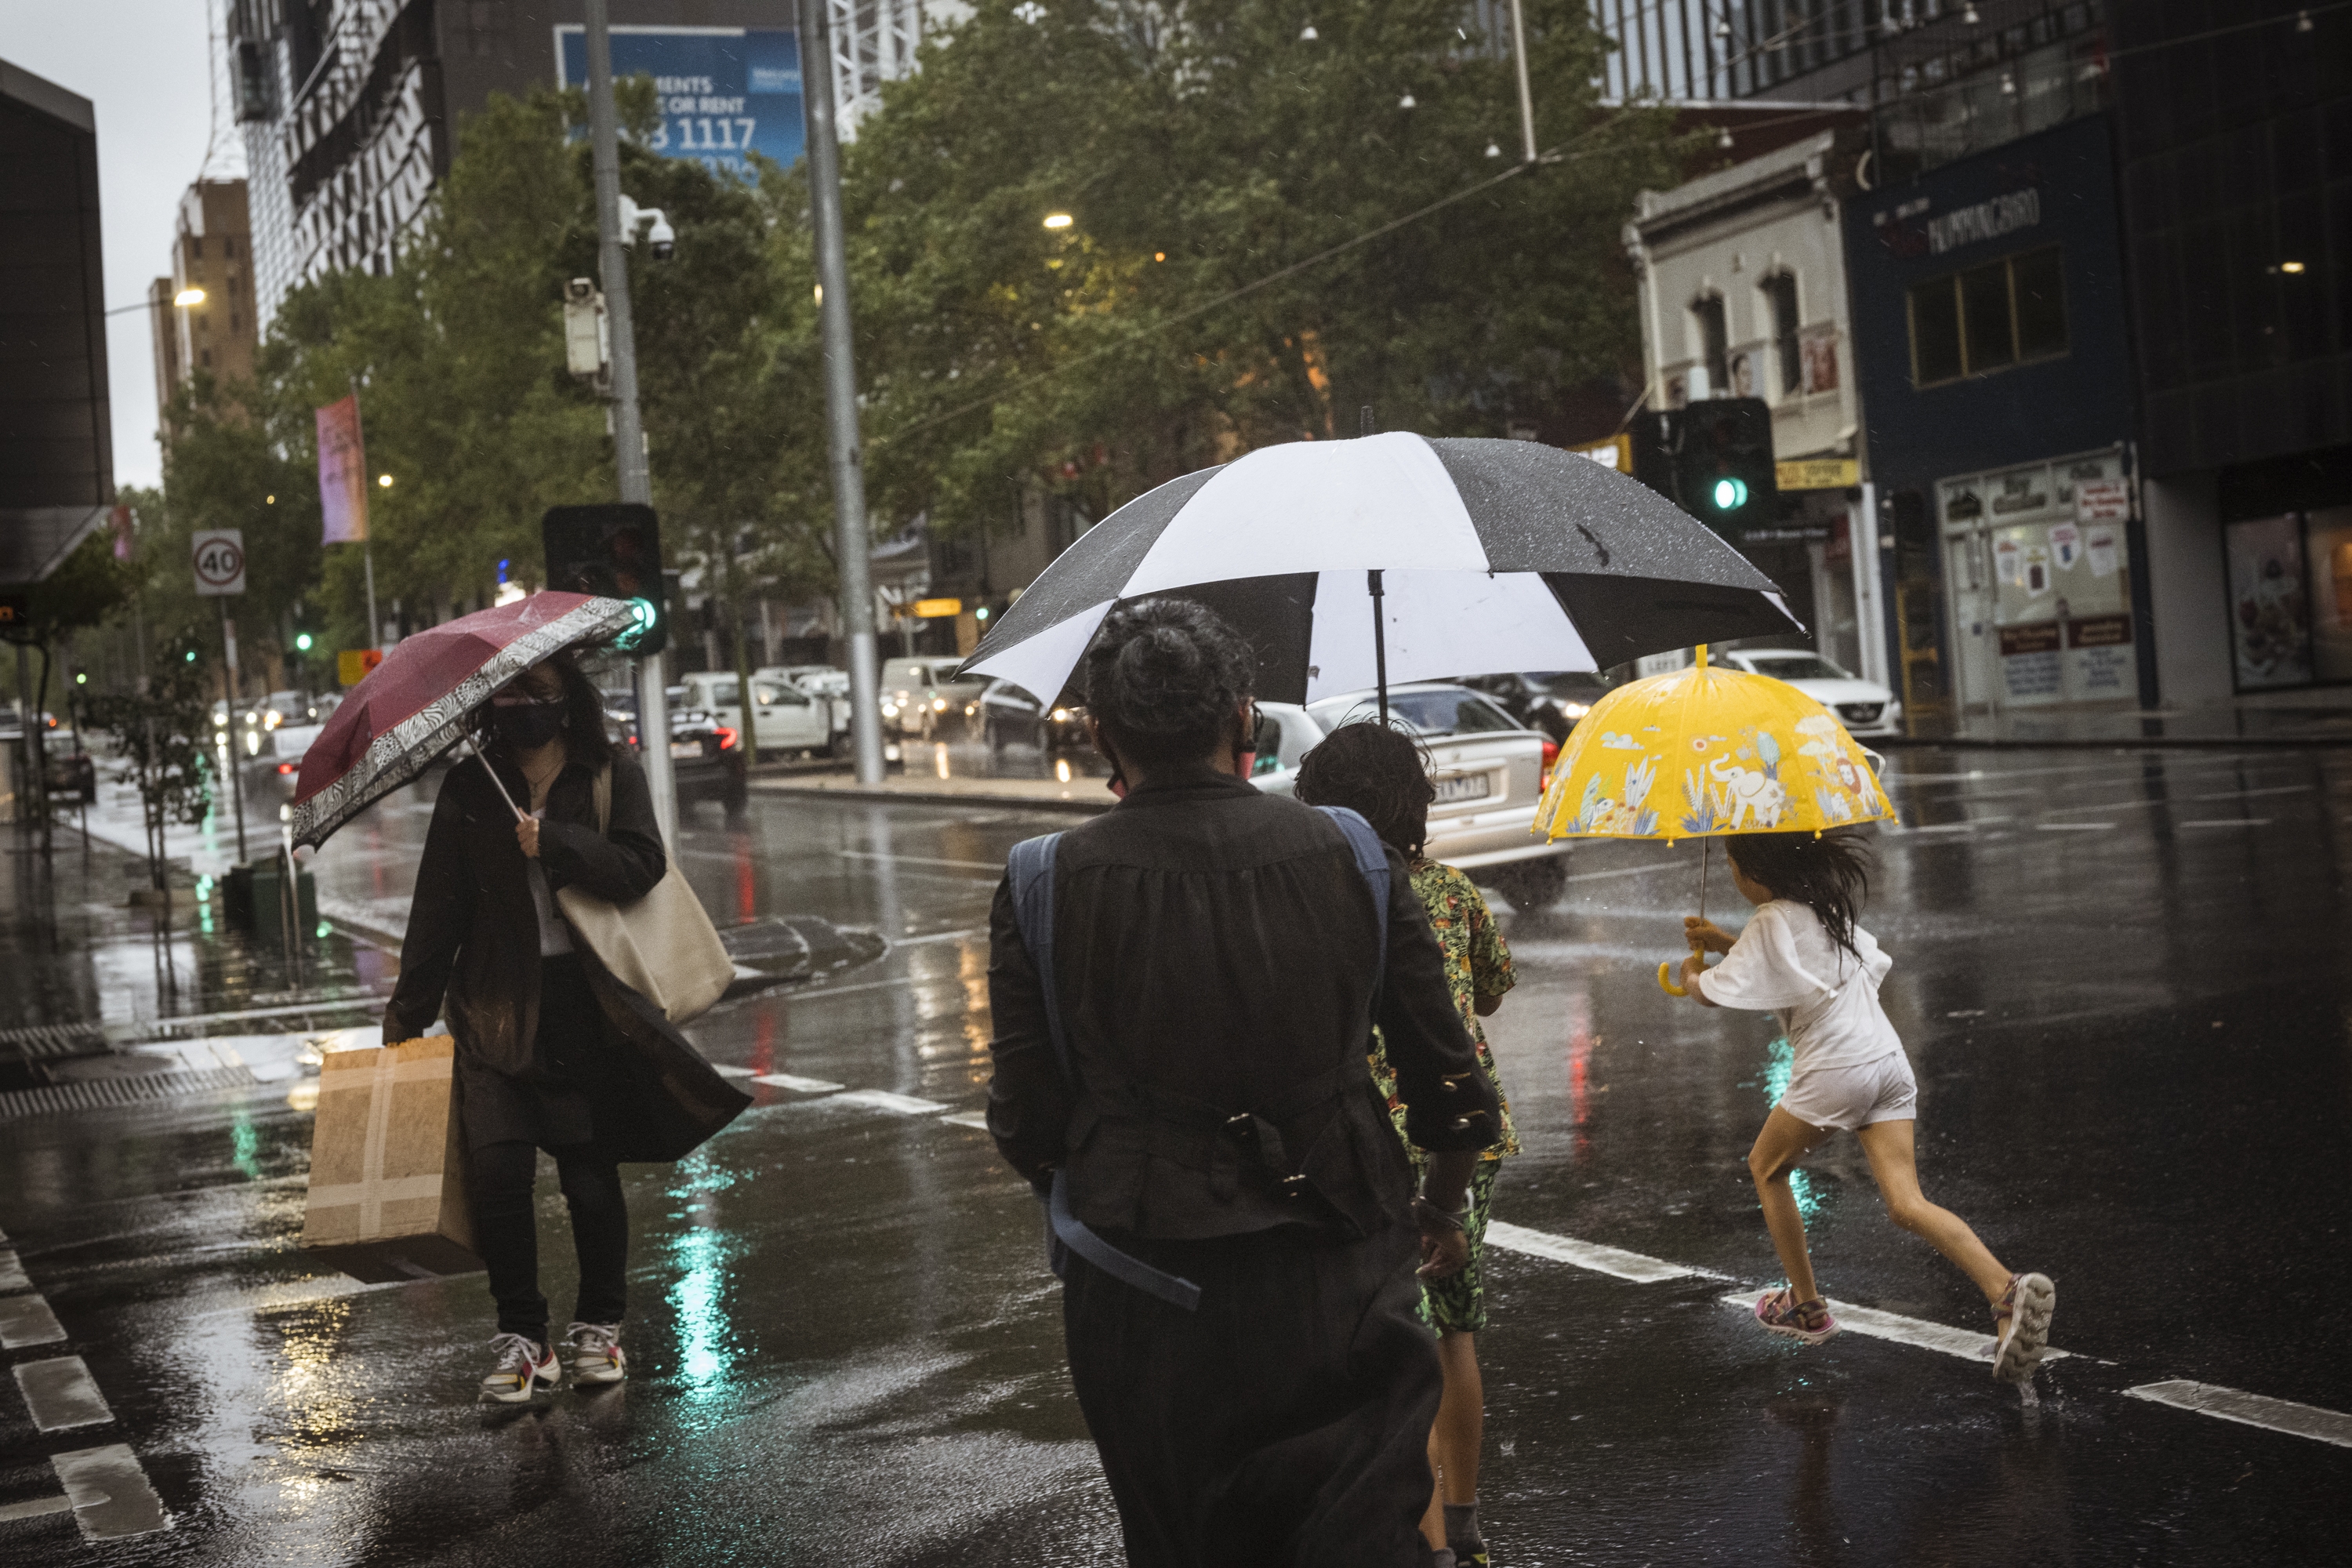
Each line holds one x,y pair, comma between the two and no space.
787,719
1487,767
1864,707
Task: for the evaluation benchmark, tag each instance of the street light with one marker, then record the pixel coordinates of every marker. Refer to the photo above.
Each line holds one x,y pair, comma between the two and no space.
187,297
384,480
1058,220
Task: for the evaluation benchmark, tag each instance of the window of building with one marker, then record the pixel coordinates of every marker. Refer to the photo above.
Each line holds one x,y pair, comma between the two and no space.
1781,294
1988,318
1714,343
196,246
228,248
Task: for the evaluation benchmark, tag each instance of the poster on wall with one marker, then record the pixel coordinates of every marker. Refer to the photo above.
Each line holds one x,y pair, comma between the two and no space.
2270,609
723,92
1817,352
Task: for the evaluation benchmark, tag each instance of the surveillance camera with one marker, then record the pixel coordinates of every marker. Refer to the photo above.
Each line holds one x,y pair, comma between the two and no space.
661,238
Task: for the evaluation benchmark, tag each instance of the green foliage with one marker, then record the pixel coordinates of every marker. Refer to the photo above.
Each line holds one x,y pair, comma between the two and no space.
995,351
87,587
160,736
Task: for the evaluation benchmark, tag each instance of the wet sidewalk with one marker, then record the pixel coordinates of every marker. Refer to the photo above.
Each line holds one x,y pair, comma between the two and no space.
2212,725
959,772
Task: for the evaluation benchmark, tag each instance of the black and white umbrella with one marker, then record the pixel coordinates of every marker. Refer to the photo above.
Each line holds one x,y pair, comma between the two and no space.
1352,564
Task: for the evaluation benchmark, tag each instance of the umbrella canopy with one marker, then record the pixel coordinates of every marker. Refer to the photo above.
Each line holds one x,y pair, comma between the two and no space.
417,703
1491,555
1706,752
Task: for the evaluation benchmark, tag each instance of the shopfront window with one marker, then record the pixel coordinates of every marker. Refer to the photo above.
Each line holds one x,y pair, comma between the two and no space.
1988,318
1714,343
1781,294
2291,599
2037,575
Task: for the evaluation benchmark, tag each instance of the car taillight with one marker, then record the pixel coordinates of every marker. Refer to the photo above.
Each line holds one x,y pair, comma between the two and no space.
1551,755
285,768
726,736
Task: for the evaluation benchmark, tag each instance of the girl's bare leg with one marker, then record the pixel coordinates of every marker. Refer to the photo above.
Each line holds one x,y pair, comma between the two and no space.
1784,1142
1888,1145
1456,1435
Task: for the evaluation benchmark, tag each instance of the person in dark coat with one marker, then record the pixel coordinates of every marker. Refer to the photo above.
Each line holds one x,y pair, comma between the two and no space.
552,1052
1215,952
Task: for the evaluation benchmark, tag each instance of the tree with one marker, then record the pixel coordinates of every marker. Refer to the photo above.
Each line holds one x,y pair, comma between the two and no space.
160,735
1197,153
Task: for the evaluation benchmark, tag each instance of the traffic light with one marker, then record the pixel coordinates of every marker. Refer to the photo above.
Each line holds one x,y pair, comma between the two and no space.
613,550
1714,459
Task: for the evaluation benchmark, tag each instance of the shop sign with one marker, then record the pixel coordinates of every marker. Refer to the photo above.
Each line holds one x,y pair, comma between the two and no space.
2065,545
1985,220
2099,546
1818,474
937,609
1617,453
2029,662
2102,500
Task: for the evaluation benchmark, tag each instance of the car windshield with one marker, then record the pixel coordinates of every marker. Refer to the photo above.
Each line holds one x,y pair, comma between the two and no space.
1447,711
1796,666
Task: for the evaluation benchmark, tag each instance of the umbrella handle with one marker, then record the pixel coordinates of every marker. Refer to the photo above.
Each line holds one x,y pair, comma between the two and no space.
1665,973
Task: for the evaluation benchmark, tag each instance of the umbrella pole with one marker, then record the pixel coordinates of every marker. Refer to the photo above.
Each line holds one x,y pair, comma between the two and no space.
1380,642
474,747
1705,847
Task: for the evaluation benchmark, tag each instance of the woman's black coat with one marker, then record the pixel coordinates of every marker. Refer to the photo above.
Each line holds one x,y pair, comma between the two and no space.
473,935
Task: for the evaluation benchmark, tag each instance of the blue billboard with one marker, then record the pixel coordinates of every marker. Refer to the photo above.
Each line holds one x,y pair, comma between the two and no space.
724,91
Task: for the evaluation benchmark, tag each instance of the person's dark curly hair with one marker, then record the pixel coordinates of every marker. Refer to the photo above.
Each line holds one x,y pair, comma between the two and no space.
1829,873
1380,773
1166,679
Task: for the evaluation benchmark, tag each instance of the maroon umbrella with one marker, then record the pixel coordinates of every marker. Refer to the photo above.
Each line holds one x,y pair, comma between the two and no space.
418,702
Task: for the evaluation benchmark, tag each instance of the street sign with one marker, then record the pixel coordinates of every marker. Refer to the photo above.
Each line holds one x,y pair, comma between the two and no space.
1818,474
1617,452
2102,500
352,664
936,609
218,556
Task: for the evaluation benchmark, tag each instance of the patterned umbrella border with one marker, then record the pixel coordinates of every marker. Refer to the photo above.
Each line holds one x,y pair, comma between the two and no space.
401,753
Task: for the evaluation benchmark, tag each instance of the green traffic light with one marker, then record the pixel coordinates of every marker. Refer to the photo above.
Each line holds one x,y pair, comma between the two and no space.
302,641
645,615
1730,495
192,655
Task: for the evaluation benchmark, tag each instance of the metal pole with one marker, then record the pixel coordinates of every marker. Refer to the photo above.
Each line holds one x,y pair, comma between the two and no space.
236,773
628,430
1527,98
1380,642
852,544
376,627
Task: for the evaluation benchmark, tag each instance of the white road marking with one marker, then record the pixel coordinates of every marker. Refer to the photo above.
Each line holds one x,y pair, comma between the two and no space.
26,1319
1966,1343
60,1393
2228,822
883,1099
797,1084
109,1493
2071,826
2243,793
2250,1409
1610,1260
1622,872
974,1118
1955,826
35,1508
729,1072
12,1273
940,936
995,866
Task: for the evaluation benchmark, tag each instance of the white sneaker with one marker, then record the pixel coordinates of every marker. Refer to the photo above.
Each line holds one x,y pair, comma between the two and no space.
594,1354
525,1367
2022,1316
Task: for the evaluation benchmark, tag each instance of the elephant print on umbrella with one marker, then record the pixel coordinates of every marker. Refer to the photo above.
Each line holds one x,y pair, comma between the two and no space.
1727,794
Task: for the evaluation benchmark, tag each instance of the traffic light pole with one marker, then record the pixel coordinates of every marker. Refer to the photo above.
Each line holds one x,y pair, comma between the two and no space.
852,539
628,429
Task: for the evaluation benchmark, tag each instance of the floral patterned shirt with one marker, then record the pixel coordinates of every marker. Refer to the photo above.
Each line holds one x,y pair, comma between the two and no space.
1477,964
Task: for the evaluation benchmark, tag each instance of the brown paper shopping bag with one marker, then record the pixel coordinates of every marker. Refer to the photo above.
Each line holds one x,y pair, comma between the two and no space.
387,1165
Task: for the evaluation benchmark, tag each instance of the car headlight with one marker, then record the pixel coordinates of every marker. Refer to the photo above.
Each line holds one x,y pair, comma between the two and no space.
273,721
938,704
220,722
1575,709
1061,715
889,709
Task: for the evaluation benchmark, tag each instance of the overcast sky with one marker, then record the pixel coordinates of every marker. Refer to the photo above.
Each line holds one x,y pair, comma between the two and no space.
143,64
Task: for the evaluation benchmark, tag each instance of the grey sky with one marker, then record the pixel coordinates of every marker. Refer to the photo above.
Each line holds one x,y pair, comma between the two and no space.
143,63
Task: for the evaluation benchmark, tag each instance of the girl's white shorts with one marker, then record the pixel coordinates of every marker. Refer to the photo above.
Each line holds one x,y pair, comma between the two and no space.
1850,1096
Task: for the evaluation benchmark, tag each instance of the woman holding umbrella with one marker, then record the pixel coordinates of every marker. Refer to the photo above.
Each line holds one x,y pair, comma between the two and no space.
552,1053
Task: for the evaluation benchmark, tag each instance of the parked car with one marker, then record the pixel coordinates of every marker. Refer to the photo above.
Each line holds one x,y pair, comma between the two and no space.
1010,714
829,685
706,756
1549,701
920,696
1864,707
784,718
1489,770
73,775
250,725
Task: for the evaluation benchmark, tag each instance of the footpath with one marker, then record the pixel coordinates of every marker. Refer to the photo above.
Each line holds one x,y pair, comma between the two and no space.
2218,726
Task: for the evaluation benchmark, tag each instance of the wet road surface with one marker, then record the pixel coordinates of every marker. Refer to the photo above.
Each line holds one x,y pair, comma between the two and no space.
2119,976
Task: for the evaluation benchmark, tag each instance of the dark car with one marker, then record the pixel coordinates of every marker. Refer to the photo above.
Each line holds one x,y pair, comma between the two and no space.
1549,701
1009,713
706,757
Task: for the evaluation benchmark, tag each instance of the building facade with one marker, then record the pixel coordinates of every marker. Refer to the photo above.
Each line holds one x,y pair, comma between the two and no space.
212,250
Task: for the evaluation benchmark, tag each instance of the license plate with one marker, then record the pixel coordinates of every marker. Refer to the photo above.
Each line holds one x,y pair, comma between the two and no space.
1470,786
686,748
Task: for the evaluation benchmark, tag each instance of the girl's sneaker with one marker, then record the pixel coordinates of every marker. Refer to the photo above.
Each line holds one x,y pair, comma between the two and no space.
525,1367
595,1353
1809,1322
2022,1315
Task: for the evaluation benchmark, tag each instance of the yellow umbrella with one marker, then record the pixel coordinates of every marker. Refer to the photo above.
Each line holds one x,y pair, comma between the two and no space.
1703,752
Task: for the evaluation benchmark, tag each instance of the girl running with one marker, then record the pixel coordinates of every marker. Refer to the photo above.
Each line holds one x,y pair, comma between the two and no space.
1804,958
1380,773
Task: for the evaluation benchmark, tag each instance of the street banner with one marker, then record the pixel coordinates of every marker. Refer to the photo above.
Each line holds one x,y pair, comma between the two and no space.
343,473
1817,473
218,556
724,92
122,521
352,664
388,1193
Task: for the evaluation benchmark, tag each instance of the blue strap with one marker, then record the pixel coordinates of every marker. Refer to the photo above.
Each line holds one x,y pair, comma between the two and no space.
1373,864
1031,870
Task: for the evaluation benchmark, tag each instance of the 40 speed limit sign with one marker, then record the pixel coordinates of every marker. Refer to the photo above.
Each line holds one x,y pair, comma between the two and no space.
219,559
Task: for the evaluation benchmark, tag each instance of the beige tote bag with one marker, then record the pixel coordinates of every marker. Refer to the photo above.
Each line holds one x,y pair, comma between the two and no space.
663,946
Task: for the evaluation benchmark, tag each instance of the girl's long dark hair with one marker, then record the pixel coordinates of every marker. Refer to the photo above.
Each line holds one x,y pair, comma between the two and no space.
1828,873
1377,771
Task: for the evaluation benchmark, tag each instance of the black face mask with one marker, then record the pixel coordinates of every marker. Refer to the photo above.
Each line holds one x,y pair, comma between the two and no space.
526,726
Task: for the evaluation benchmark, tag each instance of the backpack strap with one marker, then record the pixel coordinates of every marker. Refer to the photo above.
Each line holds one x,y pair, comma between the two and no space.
1373,865
1030,869
602,791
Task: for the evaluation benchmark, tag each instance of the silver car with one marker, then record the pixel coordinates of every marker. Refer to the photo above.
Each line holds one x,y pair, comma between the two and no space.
1487,767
